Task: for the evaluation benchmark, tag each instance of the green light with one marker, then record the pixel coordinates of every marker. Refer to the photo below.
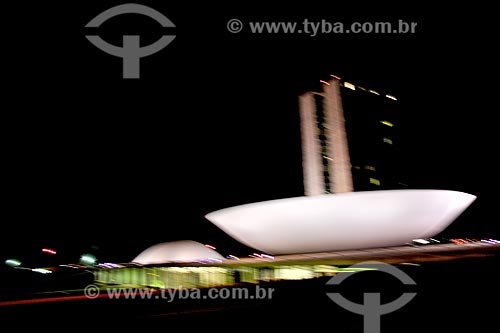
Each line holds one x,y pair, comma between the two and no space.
12,262
88,259
375,181
387,123
387,140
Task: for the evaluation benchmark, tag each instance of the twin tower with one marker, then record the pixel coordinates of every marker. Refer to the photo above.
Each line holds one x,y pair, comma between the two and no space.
349,140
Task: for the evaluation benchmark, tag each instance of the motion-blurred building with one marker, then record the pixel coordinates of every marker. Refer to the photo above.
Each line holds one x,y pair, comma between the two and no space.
349,139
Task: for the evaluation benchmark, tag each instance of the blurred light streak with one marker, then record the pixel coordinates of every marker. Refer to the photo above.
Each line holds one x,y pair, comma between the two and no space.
49,251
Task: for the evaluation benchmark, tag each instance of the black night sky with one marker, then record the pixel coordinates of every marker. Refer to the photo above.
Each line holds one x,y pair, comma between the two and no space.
93,160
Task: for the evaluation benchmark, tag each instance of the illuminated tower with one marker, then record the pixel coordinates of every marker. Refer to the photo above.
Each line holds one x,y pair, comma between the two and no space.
326,161
351,150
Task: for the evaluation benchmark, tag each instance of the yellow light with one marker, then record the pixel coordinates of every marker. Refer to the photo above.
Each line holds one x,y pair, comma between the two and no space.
328,158
389,141
388,123
152,274
349,86
369,167
375,181
391,97
374,92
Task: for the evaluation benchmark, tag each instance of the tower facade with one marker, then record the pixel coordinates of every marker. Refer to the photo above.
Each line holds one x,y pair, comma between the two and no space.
348,139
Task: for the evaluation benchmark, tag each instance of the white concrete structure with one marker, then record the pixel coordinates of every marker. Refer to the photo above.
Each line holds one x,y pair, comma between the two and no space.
177,251
343,221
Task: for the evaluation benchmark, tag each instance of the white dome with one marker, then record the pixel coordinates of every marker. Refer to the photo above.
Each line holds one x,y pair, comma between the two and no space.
342,221
177,251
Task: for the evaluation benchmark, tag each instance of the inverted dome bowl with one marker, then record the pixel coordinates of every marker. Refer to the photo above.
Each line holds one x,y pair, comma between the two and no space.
342,221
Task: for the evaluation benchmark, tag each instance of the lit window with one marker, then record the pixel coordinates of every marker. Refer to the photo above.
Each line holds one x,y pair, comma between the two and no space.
349,85
391,97
387,123
374,92
389,141
375,181
369,167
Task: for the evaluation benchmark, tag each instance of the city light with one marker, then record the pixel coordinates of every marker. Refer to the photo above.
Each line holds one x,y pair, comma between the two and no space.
391,97
349,86
421,241
12,262
88,259
266,256
109,265
49,251
335,77
324,82
489,241
387,123
210,246
41,270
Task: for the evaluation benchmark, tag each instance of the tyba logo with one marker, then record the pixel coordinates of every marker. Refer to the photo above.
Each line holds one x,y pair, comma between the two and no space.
131,51
372,308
